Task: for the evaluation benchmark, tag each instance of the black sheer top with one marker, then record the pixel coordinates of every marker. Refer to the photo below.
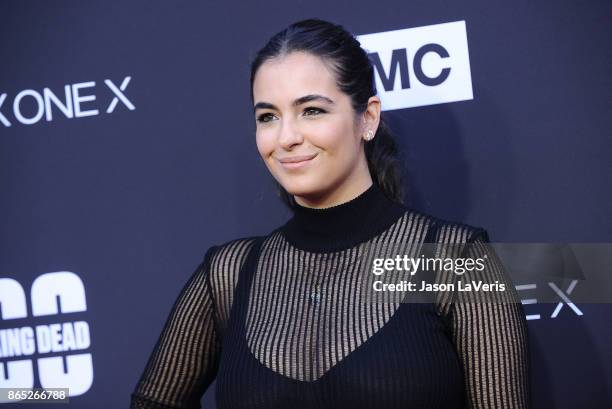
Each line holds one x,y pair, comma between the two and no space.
280,322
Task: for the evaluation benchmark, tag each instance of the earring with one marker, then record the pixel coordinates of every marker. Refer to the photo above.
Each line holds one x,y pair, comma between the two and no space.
369,135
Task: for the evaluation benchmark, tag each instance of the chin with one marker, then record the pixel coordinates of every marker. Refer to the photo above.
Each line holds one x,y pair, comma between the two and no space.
298,187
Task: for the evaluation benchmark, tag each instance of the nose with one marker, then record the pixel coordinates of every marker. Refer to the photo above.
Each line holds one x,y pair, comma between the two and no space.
290,135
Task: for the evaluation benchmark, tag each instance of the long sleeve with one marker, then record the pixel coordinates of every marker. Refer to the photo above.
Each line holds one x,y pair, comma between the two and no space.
491,338
185,358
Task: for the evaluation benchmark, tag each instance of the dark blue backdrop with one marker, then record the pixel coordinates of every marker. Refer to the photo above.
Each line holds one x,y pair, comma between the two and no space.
127,201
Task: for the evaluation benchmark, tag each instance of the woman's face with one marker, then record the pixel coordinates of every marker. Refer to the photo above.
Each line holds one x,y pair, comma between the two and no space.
302,116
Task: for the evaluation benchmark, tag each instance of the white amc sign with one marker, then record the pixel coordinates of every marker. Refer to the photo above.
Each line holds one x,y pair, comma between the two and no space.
420,66
77,102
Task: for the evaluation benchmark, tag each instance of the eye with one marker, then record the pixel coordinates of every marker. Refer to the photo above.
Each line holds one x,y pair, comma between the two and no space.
262,118
310,111
313,109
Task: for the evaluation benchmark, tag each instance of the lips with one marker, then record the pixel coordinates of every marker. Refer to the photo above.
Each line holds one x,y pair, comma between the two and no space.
296,159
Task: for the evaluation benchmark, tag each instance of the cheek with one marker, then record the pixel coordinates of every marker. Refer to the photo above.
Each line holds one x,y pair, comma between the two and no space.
326,135
337,140
265,144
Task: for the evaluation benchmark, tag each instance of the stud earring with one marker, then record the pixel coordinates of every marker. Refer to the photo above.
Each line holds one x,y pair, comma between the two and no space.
369,135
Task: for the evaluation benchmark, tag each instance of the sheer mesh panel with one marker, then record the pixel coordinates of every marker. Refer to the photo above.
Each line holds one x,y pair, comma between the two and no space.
305,316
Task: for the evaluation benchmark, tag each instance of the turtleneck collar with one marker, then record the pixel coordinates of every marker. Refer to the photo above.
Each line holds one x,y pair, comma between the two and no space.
342,226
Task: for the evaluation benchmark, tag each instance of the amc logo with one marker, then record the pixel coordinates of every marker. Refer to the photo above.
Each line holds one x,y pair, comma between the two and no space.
420,66
55,350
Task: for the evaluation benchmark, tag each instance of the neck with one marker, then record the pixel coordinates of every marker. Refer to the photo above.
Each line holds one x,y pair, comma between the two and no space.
344,225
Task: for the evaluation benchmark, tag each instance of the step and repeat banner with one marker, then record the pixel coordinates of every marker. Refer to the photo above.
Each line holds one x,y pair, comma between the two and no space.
127,149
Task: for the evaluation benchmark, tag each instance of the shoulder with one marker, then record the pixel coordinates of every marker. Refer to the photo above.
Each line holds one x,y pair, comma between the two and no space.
448,231
230,252
453,238
224,262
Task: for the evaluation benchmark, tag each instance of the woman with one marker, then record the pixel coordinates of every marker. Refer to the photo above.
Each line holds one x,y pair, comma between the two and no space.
279,320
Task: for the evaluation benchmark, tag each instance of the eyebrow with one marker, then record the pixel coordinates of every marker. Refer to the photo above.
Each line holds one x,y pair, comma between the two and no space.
299,101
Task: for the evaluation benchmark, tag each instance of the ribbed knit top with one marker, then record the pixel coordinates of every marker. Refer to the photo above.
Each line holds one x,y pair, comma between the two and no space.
280,321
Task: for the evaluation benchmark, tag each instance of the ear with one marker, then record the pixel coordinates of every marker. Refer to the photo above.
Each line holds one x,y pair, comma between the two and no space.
371,117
